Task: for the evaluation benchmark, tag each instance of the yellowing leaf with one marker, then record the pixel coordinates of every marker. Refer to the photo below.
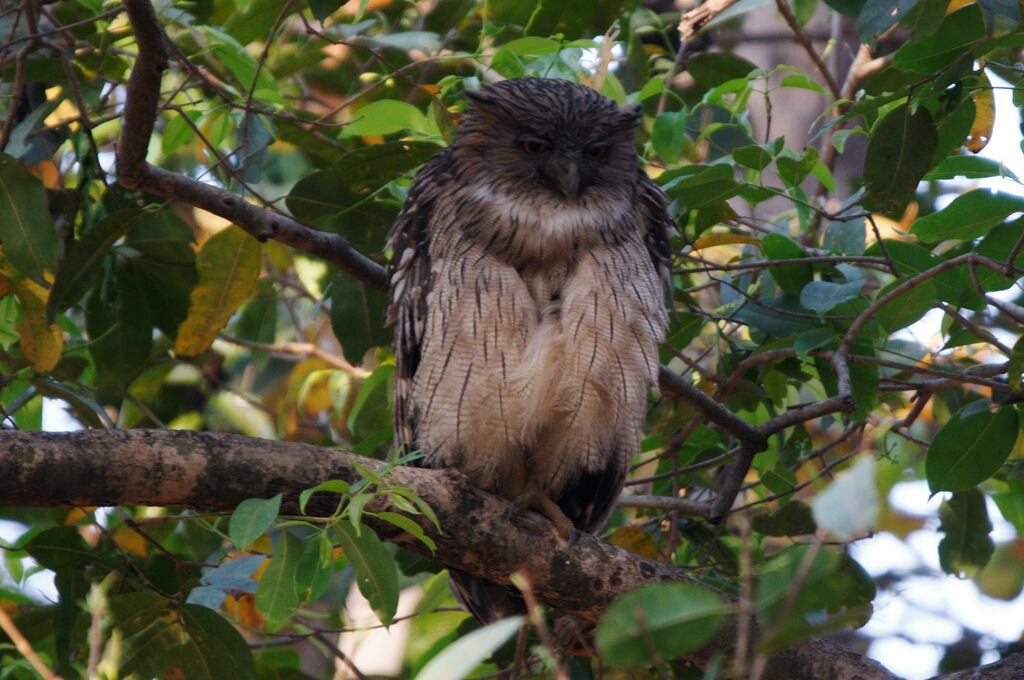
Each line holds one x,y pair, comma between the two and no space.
984,115
713,240
243,608
228,265
41,342
636,540
128,539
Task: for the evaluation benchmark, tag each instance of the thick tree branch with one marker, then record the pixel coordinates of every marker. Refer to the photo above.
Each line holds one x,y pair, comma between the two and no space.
214,472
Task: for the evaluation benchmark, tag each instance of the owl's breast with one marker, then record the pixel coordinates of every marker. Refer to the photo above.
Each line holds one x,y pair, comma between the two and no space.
538,231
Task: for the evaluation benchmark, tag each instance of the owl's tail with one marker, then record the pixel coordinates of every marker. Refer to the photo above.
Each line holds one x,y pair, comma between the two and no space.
486,600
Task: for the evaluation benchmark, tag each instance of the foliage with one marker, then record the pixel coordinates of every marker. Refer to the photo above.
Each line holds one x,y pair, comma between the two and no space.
794,260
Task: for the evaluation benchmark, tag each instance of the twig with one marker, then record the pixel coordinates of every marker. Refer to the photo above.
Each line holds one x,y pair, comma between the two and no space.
683,505
522,582
322,639
24,646
298,349
698,17
798,33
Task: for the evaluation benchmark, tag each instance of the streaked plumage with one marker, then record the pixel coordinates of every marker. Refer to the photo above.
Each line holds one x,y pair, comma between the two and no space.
527,301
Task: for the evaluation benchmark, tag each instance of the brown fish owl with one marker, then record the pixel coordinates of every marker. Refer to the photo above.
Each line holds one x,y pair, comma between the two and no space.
526,291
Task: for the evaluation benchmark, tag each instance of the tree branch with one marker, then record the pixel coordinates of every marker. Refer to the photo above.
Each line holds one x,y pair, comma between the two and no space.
214,472
141,106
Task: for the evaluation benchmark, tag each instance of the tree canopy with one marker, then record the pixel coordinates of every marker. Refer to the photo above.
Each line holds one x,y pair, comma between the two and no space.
194,198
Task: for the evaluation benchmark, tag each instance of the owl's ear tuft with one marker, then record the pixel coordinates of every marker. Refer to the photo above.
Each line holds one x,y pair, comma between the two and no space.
630,116
633,113
483,97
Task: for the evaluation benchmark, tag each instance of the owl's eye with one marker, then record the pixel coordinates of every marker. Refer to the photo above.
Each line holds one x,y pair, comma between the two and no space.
597,151
533,147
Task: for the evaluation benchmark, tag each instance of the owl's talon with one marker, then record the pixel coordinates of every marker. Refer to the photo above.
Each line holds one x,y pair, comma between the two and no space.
539,501
574,535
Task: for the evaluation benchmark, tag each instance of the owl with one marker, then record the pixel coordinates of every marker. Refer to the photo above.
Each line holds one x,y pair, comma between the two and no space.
526,289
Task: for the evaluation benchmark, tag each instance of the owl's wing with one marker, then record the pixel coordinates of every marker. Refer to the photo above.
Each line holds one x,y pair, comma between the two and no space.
654,204
410,282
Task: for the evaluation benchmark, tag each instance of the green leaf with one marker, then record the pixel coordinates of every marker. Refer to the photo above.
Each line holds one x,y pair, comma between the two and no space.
847,238
120,331
912,259
969,167
81,260
460,658
277,595
683,328
26,229
793,171
357,316
315,568
967,546
907,307
849,506
812,340
969,216
406,524
899,154
355,177
234,56
793,519
59,548
194,639
997,244
322,9
791,278
970,447
384,117
957,35
779,316
753,156
376,571
878,16
215,650
698,186
1011,504
850,8
251,519
178,131
864,384
801,81
372,397
668,135
1002,17
821,296
711,69
667,619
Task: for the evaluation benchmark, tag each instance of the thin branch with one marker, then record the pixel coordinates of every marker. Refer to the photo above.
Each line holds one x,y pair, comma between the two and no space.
798,33
298,349
140,110
698,17
24,646
683,505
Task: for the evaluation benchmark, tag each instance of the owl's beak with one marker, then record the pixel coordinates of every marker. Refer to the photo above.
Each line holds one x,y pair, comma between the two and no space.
566,176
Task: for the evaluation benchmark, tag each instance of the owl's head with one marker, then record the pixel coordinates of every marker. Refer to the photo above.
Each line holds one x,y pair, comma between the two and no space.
556,137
